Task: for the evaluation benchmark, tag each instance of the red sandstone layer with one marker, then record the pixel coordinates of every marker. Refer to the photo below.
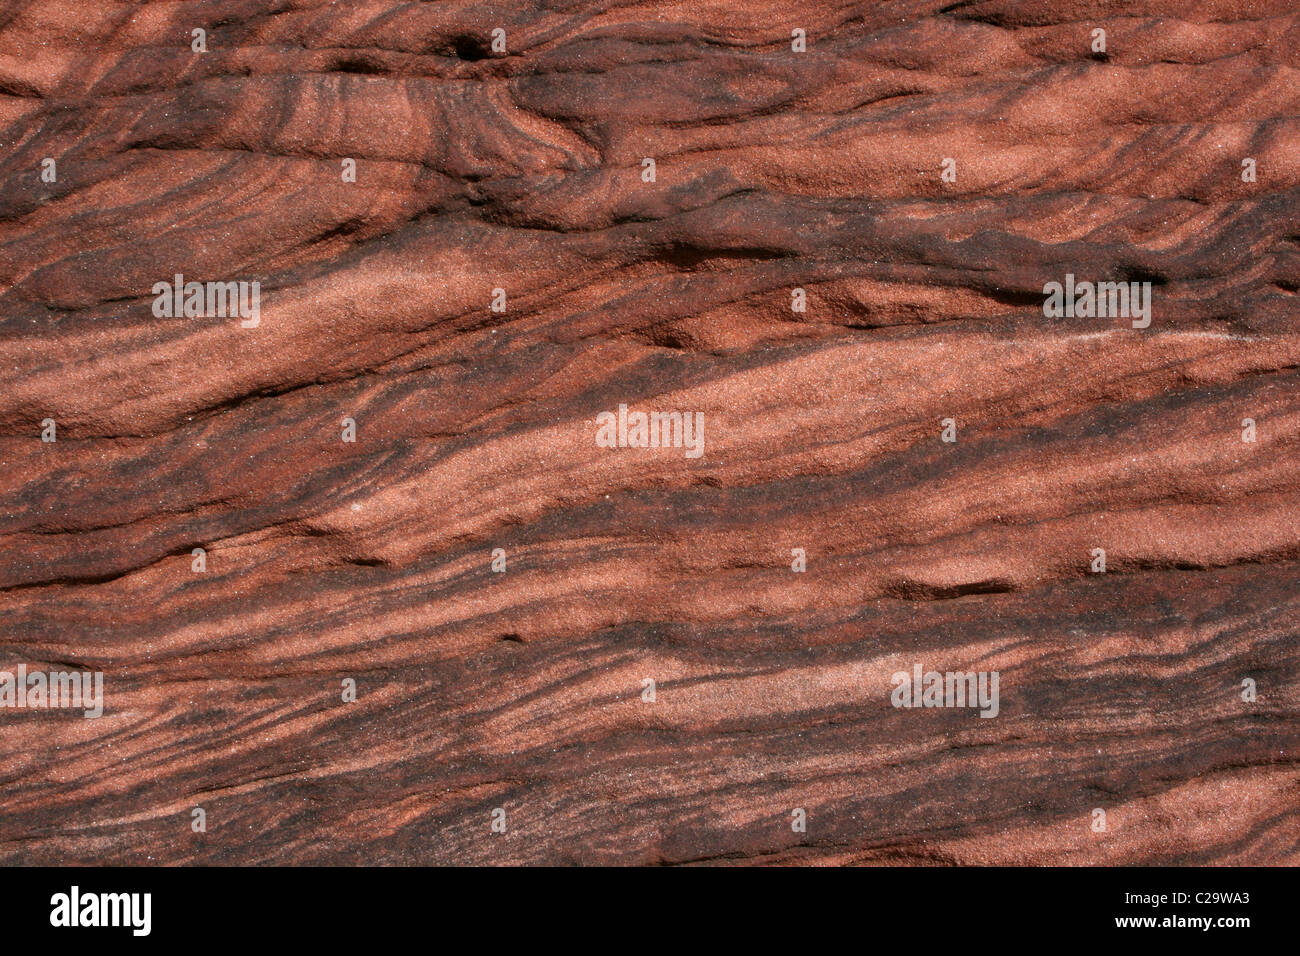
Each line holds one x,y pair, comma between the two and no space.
372,560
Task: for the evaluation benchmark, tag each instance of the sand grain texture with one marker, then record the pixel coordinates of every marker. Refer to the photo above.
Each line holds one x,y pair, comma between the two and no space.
475,430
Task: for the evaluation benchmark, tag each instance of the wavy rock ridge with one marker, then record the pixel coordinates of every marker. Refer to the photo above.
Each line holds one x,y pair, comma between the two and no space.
523,171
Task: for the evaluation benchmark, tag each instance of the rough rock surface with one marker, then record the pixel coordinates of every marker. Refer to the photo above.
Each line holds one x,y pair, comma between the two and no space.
475,430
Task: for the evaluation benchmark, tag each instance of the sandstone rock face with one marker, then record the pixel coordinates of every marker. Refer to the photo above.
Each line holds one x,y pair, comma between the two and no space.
505,271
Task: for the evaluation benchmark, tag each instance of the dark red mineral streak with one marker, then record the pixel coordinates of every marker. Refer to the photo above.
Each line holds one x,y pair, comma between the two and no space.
774,170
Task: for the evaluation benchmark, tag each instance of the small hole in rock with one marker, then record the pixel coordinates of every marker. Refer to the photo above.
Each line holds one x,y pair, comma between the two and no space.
470,48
